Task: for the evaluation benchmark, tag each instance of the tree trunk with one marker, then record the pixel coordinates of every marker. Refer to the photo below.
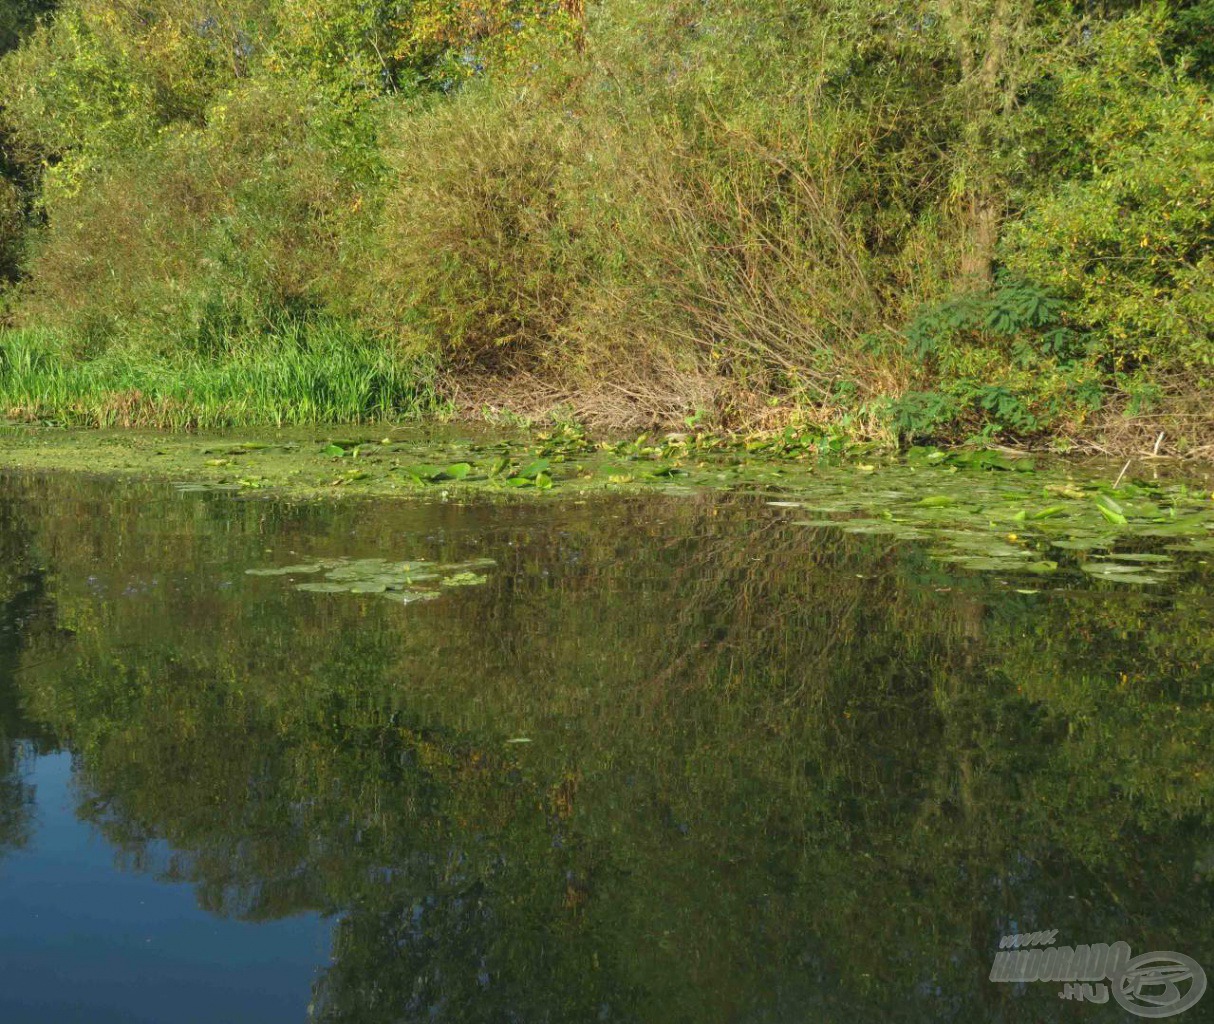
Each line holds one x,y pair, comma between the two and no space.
982,233
986,36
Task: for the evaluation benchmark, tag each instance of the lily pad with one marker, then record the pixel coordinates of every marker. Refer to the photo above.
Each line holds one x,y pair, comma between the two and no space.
1111,511
533,469
981,563
204,488
464,579
410,596
438,474
1083,543
1193,545
367,587
1118,573
403,582
867,526
286,570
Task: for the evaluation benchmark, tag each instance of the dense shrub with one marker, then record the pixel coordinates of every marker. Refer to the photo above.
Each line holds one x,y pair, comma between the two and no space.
476,238
204,237
11,229
1126,235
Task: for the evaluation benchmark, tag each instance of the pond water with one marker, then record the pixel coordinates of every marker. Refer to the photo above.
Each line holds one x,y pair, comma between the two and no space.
681,757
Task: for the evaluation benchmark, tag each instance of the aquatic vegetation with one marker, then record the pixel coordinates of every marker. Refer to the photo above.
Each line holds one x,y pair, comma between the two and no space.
403,582
438,474
979,510
1014,523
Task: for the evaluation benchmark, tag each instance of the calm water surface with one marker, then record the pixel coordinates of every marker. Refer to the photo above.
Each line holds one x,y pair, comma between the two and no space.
676,759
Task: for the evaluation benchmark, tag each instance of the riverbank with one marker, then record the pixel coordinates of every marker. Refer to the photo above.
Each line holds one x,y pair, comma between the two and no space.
322,379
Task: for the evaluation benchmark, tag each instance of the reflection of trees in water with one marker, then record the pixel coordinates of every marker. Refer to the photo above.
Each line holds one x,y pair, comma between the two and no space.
23,609
16,798
773,773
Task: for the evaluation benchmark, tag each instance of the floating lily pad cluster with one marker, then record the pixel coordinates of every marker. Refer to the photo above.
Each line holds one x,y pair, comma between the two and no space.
982,510
403,582
1017,523
533,474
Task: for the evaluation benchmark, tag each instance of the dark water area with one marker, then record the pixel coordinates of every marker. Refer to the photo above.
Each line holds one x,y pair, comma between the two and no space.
666,759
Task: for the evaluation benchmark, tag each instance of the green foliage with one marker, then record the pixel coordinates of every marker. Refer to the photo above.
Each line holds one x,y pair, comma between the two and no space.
474,259
17,17
1019,315
219,236
1001,355
1192,35
1125,234
12,233
670,211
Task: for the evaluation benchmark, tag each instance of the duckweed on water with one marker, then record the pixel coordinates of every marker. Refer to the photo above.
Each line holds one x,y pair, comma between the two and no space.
403,582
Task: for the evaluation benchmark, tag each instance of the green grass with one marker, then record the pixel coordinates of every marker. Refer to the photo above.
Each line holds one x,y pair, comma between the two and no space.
299,374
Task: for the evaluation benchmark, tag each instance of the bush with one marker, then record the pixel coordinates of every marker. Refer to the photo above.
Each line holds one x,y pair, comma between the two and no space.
477,257
203,240
1126,239
1003,361
706,219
